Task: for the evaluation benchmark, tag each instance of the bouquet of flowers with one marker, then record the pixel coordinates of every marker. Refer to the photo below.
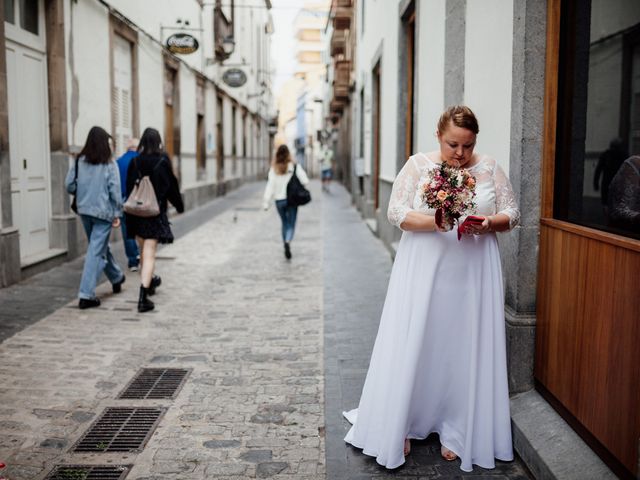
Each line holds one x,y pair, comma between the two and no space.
451,192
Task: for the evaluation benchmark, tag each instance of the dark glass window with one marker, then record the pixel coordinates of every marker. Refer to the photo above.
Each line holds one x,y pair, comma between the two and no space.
29,15
598,139
9,11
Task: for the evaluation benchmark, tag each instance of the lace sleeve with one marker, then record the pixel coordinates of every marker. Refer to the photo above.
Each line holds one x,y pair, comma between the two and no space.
404,188
624,195
505,198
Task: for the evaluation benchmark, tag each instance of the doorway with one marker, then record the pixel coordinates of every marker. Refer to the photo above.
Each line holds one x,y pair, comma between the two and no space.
28,107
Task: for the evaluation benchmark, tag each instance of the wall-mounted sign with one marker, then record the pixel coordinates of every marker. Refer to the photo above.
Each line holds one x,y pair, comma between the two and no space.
234,77
182,43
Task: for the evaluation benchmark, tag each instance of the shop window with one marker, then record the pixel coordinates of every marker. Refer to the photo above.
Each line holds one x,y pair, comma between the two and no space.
597,179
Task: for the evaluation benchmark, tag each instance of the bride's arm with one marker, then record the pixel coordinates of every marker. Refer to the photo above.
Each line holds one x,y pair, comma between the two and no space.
508,214
418,222
400,212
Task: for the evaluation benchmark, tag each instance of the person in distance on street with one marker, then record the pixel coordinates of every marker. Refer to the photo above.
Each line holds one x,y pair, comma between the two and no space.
96,187
326,156
280,173
130,245
152,161
439,363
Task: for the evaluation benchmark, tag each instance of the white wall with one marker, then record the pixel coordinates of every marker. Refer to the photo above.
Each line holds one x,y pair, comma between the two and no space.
429,86
150,86
210,130
488,74
90,42
188,127
381,28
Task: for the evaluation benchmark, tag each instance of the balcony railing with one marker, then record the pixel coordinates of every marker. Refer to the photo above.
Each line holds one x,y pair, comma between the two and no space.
342,18
341,79
336,106
338,42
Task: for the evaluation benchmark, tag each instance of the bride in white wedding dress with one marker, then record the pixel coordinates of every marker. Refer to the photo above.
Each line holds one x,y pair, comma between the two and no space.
439,360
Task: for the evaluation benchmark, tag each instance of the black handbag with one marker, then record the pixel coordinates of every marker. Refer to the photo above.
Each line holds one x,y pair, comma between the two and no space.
74,205
296,193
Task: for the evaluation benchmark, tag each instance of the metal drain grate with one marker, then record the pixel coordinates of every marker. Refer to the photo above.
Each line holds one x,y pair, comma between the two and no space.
89,472
156,383
120,430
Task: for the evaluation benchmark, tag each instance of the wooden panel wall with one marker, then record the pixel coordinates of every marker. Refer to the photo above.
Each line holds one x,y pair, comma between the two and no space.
588,332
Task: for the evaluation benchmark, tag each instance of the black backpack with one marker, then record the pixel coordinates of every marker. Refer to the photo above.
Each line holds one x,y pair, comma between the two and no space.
296,193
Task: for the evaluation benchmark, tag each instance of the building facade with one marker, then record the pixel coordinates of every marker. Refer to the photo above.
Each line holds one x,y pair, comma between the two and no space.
300,100
71,64
555,87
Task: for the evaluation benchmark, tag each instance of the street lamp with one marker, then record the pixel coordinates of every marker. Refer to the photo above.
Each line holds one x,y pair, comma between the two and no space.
228,45
273,127
223,51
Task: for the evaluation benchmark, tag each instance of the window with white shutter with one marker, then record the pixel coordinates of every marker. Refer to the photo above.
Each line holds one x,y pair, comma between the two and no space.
121,93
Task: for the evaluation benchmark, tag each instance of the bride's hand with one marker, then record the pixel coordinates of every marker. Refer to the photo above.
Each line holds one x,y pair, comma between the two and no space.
479,228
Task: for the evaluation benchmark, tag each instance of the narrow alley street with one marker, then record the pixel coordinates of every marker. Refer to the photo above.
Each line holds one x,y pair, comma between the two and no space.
273,351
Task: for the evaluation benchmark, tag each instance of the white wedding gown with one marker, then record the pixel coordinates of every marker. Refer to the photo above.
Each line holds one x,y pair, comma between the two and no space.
439,360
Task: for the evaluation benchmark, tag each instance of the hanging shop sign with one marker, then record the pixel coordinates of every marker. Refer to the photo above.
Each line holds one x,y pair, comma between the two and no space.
182,43
234,77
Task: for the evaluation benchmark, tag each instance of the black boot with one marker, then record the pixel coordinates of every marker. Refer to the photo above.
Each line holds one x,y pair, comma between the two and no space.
117,287
144,304
156,281
287,250
88,303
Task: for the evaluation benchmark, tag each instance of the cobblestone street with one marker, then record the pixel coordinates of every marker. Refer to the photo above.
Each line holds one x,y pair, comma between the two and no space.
275,351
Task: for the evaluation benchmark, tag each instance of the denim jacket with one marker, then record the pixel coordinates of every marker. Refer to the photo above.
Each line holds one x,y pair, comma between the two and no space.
98,190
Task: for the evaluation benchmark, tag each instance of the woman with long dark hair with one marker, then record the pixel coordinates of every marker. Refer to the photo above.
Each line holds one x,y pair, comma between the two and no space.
96,186
280,173
153,162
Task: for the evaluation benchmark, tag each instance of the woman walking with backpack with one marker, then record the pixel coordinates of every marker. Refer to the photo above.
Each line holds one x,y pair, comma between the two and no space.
282,169
153,162
95,182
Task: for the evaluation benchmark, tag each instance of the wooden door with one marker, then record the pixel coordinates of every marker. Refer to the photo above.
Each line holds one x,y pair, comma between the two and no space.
28,135
201,158
168,130
219,140
376,137
410,32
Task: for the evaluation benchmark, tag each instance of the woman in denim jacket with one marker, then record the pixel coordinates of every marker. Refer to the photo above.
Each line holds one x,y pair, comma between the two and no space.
99,204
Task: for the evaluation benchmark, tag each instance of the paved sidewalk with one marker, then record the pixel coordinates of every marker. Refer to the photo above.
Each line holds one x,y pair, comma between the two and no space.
37,296
231,308
356,272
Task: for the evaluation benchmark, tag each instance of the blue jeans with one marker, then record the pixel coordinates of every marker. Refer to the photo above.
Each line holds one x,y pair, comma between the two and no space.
130,246
288,216
98,258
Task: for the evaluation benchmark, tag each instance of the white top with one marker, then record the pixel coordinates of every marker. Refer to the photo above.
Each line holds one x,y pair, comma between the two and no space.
327,158
493,190
277,184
